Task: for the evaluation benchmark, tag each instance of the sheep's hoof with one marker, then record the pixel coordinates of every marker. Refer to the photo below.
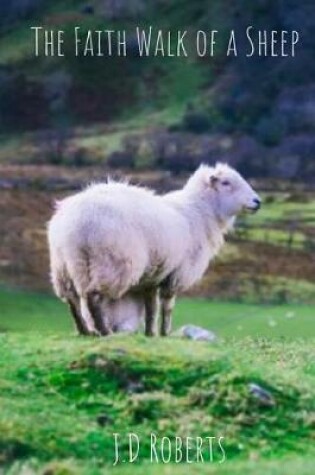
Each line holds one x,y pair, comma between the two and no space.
107,333
91,333
96,333
164,334
150,333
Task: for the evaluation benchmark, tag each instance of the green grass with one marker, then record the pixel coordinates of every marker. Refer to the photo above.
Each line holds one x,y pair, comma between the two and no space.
277,237
240,320
22,311
281,221
281,209
53,390
276,290
284,466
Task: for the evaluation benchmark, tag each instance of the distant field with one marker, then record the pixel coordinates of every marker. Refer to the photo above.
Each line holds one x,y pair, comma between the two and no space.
21,311
283,222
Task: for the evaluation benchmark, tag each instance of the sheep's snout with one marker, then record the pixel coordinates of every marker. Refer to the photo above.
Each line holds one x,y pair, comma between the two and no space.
255,204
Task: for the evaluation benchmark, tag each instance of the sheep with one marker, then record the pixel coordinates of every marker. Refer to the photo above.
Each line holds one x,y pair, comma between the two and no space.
125,314
114,241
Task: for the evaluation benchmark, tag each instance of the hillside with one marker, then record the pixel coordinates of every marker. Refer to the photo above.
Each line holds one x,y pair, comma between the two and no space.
168,113
64,397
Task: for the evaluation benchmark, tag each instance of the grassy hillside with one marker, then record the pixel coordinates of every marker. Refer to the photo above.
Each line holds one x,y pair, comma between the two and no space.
64,397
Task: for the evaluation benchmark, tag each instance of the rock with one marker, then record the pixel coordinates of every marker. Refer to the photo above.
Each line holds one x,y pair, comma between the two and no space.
264,397
120,352
134,387
193,332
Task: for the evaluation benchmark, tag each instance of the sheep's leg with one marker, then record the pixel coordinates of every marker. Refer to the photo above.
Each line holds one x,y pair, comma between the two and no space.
167,305
87,317
73,301
74,306
151,312
100,321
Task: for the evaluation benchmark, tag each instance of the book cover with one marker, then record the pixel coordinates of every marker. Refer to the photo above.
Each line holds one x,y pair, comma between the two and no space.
157,237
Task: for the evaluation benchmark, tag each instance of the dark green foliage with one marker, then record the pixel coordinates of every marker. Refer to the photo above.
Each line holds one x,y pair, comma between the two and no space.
22,102
121,160
268,99
196,122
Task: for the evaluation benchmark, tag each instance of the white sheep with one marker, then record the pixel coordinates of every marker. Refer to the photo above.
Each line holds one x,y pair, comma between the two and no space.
115,241
125,314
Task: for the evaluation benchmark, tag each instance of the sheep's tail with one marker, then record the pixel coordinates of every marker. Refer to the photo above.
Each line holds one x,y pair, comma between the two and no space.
59,277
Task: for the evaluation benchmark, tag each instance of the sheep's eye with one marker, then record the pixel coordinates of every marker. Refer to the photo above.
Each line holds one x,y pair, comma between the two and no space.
226,183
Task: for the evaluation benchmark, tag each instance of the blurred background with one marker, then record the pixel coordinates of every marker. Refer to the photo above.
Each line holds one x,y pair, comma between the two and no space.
65,121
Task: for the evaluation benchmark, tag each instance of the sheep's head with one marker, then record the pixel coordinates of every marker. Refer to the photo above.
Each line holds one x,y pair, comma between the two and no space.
227,191
232,193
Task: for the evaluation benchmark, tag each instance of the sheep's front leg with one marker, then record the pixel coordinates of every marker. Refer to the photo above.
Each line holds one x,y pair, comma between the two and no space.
167,304
151,312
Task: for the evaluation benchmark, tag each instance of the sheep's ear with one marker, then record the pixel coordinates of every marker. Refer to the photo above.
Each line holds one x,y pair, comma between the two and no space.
214,181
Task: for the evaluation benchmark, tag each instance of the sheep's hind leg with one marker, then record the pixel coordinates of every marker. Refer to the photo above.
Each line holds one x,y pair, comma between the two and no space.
79,322
151,311
73,302
87,317
167,305
100,321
